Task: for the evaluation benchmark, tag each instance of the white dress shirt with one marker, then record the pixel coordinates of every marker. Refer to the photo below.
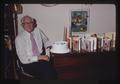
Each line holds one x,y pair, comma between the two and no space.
24,46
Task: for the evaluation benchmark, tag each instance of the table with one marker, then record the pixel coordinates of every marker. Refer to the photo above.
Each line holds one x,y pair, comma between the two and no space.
93,65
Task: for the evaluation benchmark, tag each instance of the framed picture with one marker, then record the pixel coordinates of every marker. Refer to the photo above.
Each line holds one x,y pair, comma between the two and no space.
79,20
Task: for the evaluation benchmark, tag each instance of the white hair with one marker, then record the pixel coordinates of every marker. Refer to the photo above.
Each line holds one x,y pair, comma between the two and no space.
23,18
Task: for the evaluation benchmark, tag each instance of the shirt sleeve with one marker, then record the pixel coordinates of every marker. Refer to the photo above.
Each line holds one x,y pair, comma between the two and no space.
22,53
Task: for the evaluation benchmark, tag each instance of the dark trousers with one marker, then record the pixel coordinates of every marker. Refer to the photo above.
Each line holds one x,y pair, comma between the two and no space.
41,70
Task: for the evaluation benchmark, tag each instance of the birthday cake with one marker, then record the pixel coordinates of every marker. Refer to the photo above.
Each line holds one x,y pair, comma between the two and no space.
60,47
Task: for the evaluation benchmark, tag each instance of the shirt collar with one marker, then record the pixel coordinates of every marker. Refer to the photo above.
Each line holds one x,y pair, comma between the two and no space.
27,34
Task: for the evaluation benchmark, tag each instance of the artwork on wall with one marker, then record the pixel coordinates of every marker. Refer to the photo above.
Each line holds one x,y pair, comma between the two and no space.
79,20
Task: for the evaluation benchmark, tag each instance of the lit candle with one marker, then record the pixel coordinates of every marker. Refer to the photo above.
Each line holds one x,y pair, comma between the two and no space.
79,44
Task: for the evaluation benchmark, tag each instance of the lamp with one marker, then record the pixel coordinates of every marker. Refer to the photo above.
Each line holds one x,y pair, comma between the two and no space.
48,5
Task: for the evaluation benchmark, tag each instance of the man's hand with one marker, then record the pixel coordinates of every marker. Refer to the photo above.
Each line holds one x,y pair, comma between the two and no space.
43,57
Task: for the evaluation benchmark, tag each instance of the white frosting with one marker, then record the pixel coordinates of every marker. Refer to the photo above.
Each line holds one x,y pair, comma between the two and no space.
60,47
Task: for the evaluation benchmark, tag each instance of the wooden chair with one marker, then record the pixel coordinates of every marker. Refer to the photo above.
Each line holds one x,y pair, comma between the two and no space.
21,73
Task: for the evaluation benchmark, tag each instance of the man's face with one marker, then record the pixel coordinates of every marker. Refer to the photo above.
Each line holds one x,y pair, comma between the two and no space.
28,24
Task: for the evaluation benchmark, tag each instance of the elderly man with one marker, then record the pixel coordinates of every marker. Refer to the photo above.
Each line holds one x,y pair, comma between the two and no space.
29,47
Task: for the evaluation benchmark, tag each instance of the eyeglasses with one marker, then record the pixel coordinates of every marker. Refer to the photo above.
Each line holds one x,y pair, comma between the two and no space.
27,23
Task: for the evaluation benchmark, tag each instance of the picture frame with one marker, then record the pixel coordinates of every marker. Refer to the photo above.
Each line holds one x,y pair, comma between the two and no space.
80,21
